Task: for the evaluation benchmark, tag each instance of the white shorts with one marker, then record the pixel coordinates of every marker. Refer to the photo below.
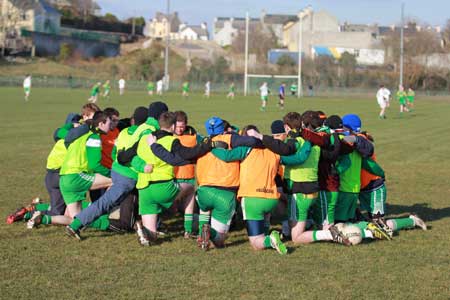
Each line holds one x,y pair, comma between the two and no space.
382,103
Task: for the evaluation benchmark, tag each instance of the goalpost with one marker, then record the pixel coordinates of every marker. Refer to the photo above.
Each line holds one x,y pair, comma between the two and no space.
271,80
298,77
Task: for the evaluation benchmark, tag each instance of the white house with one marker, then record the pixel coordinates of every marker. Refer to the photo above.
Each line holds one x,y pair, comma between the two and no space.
227,29
193,32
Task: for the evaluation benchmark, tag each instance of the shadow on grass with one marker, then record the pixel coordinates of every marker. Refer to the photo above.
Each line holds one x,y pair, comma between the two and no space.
421,209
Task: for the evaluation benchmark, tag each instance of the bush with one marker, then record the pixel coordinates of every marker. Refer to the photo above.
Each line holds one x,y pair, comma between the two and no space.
65,51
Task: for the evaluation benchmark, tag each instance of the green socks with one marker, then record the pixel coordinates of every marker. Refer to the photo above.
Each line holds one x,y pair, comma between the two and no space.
267,243
403,223
46,220
42,207
188,218
76,224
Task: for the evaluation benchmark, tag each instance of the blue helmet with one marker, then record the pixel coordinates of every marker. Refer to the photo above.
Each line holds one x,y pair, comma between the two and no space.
352,122
214,126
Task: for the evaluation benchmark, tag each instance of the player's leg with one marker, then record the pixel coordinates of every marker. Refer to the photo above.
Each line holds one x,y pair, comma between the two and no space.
57,205
187,198
406,223
254,211
101,182
127,214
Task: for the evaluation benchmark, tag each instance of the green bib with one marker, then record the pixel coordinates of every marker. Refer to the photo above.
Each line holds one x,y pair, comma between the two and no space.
76,158
308,171
161,170
56,157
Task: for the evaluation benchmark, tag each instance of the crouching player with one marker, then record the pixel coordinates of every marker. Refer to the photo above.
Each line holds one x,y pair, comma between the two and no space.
258,193
372,198
158,190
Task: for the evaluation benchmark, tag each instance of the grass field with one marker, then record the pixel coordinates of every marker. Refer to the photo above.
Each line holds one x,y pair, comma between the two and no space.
44,263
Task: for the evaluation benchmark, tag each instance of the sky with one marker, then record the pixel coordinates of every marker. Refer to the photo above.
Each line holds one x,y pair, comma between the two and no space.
383,12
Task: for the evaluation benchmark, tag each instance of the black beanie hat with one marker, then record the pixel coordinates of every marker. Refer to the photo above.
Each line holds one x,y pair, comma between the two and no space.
277,127
156,109
140,115
334,122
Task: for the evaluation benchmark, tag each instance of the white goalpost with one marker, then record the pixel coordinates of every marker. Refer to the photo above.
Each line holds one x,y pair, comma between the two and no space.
298,77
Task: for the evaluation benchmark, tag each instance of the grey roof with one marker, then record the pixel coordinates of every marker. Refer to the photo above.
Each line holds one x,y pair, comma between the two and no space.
199,30
238,23
40,6
173,19
279,19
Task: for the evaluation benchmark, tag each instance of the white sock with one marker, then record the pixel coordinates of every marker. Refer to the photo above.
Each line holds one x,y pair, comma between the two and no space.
368,234
323,235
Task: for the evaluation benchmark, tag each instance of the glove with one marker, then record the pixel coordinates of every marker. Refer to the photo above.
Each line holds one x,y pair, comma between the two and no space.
350,139
219,144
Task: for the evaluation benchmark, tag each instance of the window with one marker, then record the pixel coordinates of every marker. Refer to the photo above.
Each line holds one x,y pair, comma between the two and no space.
356,52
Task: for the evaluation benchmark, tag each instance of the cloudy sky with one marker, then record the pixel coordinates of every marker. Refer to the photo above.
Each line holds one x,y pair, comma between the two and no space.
386,12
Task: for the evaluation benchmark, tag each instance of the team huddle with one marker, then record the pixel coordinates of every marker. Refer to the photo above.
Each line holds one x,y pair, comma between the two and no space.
315,174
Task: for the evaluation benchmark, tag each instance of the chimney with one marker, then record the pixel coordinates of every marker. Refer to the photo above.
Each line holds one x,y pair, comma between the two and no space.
203,25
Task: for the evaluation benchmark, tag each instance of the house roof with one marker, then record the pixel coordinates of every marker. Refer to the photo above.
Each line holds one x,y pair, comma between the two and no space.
40,6
173,19
238,23
279,19
198,29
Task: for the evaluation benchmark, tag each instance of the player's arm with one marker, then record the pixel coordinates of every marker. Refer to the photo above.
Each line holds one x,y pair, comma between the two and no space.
124,157
169,157
279,147
331,153
299,157
94,155
75,133
360,144
372,167
246,141
343,163
315,138
235,154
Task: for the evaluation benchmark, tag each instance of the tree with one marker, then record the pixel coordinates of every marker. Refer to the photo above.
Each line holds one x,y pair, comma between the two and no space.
109,17
348,64
261,40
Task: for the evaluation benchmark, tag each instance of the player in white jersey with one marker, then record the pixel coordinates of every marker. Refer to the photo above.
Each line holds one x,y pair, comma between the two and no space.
27,86
159,87
383,96
264,92
207,89
121,86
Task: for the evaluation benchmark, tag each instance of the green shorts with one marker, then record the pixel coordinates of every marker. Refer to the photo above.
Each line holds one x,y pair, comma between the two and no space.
75,186
190,181
411,99
26,90
157,196
254,208
374,202
346,206
323,208
265,98
221,202
402,101
299,205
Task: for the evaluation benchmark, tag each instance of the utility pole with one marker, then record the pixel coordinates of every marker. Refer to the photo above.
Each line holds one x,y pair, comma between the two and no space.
246,54
401,44
166,55
300,50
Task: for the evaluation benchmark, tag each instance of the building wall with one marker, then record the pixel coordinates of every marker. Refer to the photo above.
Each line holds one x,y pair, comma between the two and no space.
188,34
155,29
225,35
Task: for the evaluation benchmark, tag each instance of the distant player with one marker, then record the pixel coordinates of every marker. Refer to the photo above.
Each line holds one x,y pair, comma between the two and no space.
231,91
27,86
94,92
401,98
411,94
207,89
293,89
383,96
150,88
264,93
159,87
185,89
121,86
282,95
106,89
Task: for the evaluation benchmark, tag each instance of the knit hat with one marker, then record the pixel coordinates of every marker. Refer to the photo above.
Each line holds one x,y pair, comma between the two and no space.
277,127
214,126
140,115
156,109
334,122
72,118
352,122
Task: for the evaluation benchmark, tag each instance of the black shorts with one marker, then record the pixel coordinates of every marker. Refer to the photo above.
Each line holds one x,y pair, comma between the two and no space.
281,96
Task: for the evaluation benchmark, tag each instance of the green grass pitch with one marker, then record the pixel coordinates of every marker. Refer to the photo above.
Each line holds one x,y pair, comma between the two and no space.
44,263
